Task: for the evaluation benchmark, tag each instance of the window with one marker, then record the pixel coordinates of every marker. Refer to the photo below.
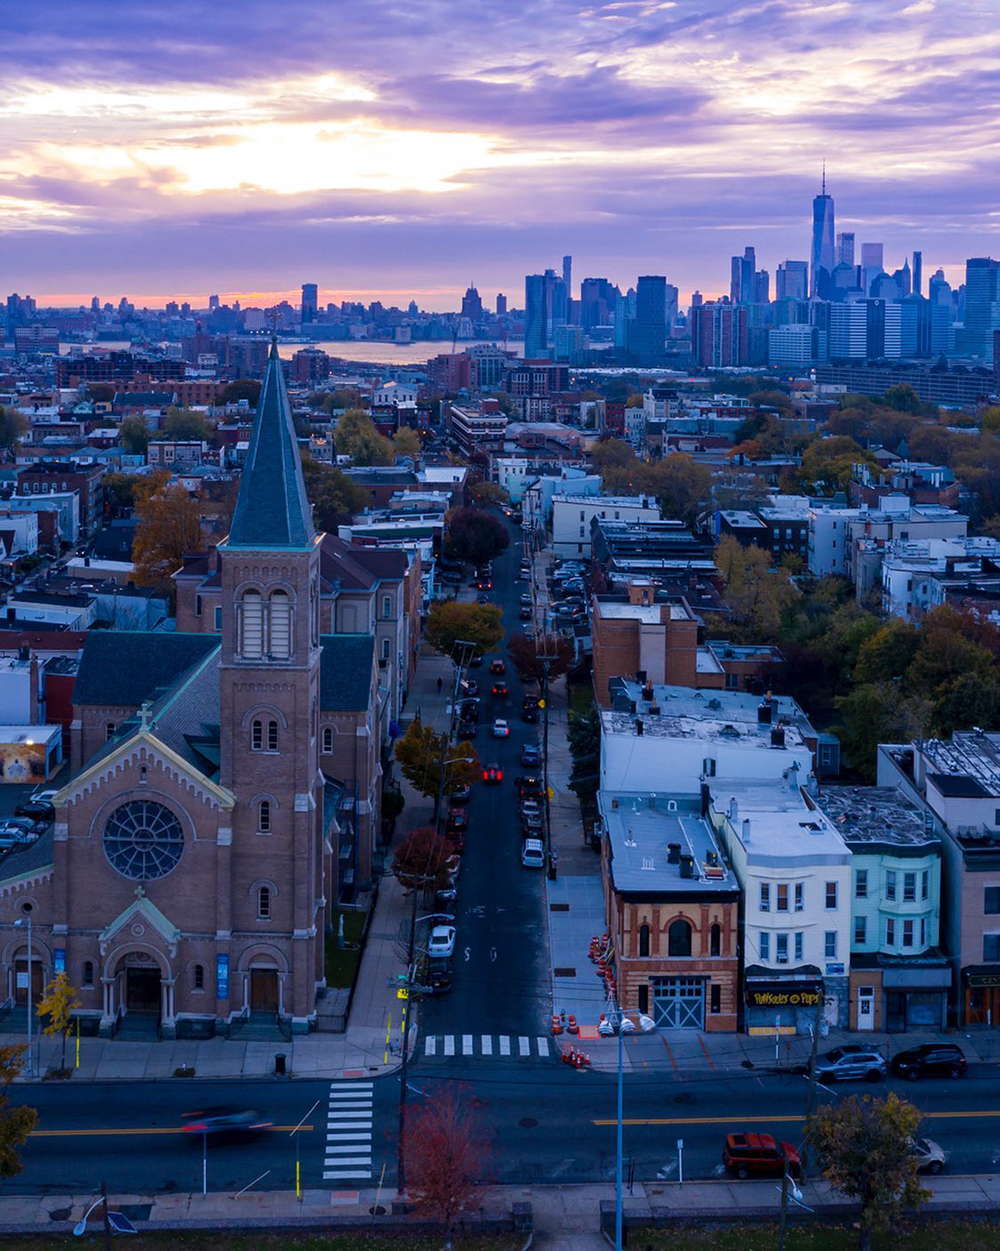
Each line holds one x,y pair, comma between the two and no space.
715,940
199,977
908,933
327,739
923,931
386,607
252,625
280,643
925,879
765,945
861,884
644,999
890,884
909,887
88,973
991,947
830,944
781,904
860,930
257,736
264,903
643,940
218,617
799,897
109,731
679,938
781,948
991,900
798,944
890,932
732,681
272,736
831,896
264,817
765,896
197,605
385,649
715,998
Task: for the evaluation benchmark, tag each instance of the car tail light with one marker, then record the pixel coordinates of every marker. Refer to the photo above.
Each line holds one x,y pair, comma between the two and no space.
499,775
194,1129
486,775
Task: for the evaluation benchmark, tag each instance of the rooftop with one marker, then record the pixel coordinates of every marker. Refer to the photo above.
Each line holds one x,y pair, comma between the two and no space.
751,713
869,816
966,765
773,819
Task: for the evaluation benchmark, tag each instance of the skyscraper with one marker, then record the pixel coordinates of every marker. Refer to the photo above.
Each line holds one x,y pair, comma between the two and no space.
472,305
568,276
822,252
742,271
536,317
501,304
310,302
791,282
982,305
845,247
918,273
647,335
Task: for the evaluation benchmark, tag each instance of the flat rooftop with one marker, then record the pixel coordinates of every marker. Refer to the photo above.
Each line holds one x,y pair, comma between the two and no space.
641,828
782,824
870,817
737,707
967,764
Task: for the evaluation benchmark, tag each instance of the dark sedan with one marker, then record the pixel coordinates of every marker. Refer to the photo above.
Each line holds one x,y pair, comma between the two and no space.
930,1060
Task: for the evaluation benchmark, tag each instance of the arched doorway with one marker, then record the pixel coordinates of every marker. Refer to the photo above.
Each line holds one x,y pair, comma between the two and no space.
264,996
140,987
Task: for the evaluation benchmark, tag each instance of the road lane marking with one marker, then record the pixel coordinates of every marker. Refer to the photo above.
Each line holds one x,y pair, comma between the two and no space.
543,1046
487,1044
504,1045
346,1148
670,1053
466,1044
347,1105
711,1063
350,1088
431,1046
349,1124
155,1129
352,1159
449,1045
343,1174
524,1044
764,1118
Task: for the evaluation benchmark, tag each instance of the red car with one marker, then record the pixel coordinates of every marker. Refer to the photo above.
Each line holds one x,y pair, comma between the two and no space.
759,1155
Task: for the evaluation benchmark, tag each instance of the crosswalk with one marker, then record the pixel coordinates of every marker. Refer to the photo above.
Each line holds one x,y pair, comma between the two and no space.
487,1046
348,1154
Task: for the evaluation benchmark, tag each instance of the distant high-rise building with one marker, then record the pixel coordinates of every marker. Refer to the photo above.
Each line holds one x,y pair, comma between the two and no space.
671,308
558,298
501,304
598,298
697,299
845,247
918,273
413,309
310,302
982,305
741,277
624,316
760,291
719,334
536,316
647,334
472,305
872,259
822,256
95,304
568,276
791,282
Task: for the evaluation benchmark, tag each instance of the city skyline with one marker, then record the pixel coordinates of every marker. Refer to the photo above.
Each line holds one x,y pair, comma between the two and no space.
140,170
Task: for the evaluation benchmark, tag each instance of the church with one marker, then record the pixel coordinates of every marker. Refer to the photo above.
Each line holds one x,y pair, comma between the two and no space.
187,881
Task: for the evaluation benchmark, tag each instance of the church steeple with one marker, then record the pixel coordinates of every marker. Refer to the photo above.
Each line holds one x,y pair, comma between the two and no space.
272,509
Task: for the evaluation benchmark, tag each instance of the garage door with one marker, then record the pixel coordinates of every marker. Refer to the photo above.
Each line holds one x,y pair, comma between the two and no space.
679,1002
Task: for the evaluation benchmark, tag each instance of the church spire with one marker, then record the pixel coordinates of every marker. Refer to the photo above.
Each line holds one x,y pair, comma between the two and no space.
272,509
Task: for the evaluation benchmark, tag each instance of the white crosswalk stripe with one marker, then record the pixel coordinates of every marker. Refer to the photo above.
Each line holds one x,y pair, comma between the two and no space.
348,1152
487,1046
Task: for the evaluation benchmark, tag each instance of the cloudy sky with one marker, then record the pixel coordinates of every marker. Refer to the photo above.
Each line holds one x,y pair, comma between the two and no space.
389,149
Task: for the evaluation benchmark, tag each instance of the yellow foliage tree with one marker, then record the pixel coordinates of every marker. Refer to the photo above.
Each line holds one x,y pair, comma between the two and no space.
56,1009
169,528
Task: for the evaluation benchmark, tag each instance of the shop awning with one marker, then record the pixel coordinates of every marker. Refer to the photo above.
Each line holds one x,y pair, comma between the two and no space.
916,979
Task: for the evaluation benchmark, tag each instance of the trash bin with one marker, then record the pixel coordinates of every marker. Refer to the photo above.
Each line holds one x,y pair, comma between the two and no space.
279,1065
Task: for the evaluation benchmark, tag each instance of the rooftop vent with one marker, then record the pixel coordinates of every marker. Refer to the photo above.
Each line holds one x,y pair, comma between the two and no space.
778,736
639,727
673,853
687,866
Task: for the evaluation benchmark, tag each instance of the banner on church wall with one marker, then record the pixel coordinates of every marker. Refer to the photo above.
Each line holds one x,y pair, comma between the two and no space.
59,959
222,976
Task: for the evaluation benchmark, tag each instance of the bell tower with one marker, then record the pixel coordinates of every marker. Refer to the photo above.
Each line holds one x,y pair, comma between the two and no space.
269,706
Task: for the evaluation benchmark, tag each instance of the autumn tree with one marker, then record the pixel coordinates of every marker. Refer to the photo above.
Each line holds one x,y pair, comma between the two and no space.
879,712
486,494
406,442
609,453
187,425
16,1123
122,490
474,535
355,436
13,428
828,464
450,623
866,1145
757,594
682,486
242,389
422,753
134,435
530,656
445,1159
334,495
56,1009
419,862
169,528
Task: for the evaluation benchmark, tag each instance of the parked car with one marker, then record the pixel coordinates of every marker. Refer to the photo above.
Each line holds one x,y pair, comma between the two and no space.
468,709
469,688
528,784
441,941
526,598
500,728
533,854
492,775
930,1157
458,820
759,1155
498,666
531,826
438,979
500,690
467,729
531,755
530,807
524,614
850,1062
460,795
475,661
36,810
930,1060
484,584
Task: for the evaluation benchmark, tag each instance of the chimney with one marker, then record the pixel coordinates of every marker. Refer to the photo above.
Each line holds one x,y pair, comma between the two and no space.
746,830
638,727
793,776
734,808
705,798
777,736
687,866
673,853
764,712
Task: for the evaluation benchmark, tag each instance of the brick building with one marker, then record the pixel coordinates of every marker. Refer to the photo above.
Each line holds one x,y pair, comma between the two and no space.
84,478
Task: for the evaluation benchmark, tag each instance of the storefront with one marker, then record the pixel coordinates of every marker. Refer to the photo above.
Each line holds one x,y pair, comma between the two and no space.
982,994
897,998
786,1004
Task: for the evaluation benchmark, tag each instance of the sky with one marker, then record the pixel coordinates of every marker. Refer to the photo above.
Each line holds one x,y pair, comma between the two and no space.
395,150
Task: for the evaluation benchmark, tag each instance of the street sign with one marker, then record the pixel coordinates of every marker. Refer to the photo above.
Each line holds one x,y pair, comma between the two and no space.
541,703
551,794
403,992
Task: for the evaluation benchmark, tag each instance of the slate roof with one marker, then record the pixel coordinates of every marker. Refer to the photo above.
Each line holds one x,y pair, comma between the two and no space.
272,509
345,672
124,668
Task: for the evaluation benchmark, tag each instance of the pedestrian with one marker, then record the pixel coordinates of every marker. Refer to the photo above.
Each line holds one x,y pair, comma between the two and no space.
440,684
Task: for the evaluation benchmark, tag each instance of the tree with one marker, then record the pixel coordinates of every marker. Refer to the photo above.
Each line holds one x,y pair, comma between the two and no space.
989,419
122,489
334,495
445,1159
879,712
169,528
866,1145
585,748
420,753
355,436
15,1123
486,494
474,535
419,862
903,398
13,428
828,464
187,425
609,453
57,1006
528,656
888,653
242,389
449,623
756,593
406,442
134,435
772,399
682,486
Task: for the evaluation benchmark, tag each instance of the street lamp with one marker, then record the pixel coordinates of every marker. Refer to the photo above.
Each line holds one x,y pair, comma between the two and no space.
21,921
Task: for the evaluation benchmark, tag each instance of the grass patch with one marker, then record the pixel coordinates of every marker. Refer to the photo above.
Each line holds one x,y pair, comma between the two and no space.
936,1235
209,1241
341,963
581,696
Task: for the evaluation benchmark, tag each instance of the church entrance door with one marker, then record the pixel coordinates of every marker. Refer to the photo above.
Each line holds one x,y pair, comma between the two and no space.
142,990
263,990
21,982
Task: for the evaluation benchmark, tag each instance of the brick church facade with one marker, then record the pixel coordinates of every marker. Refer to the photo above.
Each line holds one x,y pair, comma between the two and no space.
187,880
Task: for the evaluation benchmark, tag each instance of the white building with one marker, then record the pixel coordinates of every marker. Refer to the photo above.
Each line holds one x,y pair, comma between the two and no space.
916,573
572,515
795,345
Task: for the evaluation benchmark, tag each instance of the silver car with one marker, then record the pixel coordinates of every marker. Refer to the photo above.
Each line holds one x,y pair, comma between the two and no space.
850,1063
930,1157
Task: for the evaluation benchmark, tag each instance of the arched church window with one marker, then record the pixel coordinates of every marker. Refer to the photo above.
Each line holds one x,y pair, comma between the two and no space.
257,736
264,817
199,977
264,903
272,736
327,739
88,973
679,938
109,731
143,840
280,643
643,940
252,625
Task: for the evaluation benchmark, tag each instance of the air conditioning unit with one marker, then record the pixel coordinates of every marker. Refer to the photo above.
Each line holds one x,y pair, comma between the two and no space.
781,959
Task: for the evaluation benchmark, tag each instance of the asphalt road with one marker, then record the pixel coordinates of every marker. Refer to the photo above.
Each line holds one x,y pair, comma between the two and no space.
540,1123
500,966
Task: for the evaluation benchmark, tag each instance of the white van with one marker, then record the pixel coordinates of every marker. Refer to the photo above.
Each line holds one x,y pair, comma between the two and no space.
533,854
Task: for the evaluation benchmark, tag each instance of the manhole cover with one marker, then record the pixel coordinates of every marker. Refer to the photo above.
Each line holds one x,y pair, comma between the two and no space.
527,1122
564,972
376,1211
684,1097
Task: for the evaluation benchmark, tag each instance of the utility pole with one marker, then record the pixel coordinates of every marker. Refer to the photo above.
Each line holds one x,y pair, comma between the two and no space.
811,1101
784,1209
